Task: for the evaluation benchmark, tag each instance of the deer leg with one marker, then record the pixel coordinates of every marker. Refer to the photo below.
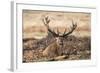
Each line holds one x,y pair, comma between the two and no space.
61,57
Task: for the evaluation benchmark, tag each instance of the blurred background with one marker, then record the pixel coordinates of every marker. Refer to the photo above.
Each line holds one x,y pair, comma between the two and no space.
33,25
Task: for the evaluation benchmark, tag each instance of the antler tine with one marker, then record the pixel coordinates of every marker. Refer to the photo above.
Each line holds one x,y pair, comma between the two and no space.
46,21
74,25
64,32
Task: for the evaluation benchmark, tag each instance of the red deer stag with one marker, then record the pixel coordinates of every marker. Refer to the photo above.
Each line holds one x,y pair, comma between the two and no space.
54,50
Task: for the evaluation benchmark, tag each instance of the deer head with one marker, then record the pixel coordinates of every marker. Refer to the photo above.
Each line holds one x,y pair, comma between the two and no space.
59,38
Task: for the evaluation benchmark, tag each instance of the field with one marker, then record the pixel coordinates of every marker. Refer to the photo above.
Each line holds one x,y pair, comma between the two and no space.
77,46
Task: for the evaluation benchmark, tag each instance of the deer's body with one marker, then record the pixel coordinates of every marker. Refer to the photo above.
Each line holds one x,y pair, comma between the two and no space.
53,50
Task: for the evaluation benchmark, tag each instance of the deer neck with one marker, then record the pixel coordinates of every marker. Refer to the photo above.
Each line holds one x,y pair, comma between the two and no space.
59,46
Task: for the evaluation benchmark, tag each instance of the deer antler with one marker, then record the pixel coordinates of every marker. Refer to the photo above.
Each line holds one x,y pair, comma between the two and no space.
46,21
74,25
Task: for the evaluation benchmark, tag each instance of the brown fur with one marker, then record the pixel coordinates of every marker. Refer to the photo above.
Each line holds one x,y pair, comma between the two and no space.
53,51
